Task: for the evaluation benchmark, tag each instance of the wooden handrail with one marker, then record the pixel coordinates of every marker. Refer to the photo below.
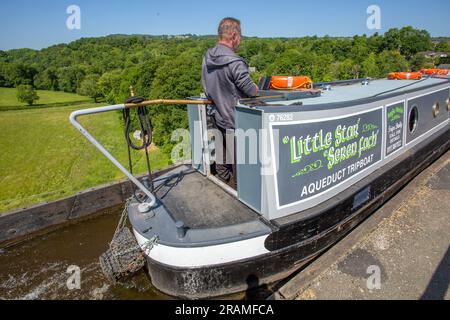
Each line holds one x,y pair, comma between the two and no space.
166,102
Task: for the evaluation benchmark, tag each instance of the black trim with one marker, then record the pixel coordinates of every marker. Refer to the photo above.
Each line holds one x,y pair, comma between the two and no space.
332,212
264,83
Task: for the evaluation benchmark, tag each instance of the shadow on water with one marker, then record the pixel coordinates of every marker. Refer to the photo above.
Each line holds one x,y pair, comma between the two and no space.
438,286
256,291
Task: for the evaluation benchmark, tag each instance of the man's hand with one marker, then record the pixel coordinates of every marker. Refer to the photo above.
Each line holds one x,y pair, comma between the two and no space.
257,91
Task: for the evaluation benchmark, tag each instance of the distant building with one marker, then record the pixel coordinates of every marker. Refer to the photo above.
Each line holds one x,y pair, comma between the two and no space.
444,66
432,54
182,36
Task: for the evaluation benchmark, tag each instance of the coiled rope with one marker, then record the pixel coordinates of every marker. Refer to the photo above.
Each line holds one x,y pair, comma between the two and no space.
146,133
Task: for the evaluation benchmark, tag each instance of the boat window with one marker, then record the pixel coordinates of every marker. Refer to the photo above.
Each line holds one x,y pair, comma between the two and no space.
436,107
413,119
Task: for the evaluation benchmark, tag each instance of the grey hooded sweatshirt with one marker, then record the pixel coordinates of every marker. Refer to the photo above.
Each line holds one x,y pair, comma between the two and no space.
226,79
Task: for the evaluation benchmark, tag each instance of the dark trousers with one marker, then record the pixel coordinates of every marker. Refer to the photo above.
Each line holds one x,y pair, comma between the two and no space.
225,171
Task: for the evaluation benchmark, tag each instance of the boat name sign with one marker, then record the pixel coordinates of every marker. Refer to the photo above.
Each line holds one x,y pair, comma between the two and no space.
316,156
394,127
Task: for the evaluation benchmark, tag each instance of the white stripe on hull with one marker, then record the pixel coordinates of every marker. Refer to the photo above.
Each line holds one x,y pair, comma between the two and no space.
205,256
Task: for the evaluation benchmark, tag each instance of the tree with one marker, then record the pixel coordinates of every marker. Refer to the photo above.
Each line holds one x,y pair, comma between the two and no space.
67,79
46,80
348,69
177,78
391,61
90,88
342,49
442,46
360,50
129,77
4,82
26,94
369,67
292,62
147,75
3,55
414,41
19,74
444,60
169,67
391,40
109,86
252,47
418,61
408,41
322,68
375,42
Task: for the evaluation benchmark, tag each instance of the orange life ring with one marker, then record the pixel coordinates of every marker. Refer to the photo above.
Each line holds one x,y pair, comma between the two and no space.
405,76
290,83
440,72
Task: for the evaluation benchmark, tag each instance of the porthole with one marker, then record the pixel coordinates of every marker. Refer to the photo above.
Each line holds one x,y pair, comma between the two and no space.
413,119
436,110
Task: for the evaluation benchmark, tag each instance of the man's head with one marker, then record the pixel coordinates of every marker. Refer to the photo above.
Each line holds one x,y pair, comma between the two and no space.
230,33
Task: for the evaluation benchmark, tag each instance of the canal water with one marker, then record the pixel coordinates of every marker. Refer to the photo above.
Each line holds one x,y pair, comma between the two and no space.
40,267
37,268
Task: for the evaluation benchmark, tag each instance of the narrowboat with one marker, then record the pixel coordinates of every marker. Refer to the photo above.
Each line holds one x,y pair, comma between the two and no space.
311,165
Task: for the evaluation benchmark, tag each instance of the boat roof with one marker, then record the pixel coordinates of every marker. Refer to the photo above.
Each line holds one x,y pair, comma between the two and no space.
358,91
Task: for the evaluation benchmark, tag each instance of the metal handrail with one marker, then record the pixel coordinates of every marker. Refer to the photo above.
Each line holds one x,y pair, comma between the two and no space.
99,146
73,119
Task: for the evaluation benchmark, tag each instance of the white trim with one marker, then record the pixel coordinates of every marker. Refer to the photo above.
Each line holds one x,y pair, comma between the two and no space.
205,256
318,121
427,134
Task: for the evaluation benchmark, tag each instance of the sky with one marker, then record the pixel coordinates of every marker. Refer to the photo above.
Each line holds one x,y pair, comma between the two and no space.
38,24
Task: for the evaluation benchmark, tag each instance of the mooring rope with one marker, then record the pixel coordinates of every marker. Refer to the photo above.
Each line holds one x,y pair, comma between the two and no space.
123,219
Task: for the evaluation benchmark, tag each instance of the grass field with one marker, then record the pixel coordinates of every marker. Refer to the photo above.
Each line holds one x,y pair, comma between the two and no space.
43,158
8,98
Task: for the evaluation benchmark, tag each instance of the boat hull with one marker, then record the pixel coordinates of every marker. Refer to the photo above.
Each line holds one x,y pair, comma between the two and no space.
295,243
